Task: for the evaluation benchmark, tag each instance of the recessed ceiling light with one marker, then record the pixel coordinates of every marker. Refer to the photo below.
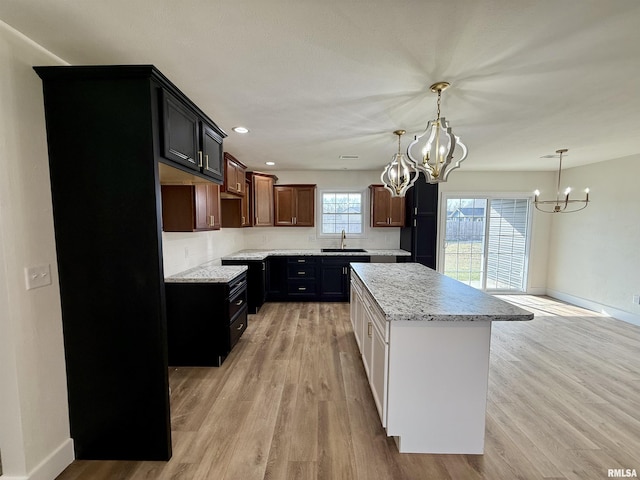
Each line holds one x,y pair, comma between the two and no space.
240,129
270,163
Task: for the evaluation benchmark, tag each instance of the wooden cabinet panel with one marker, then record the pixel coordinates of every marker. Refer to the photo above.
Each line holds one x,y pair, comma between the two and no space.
188,208
284,203
262,199
234,176
294,205
386,211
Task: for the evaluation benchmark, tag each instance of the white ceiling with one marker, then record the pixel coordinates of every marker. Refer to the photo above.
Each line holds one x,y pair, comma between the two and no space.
316,79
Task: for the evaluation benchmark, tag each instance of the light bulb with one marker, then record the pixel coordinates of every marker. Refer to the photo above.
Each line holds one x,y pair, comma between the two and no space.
537,193
567,191
586,190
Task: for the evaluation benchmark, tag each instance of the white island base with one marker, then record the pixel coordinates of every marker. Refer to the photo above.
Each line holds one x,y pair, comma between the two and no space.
425,341
437,391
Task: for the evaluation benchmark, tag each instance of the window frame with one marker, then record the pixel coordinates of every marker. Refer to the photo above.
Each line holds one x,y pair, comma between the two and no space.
363,212
442,220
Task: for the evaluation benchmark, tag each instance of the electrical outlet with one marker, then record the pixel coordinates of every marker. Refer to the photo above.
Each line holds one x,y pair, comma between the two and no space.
636,299
38,276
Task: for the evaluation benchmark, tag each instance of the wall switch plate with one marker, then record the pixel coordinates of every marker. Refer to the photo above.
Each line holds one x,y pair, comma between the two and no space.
38,276
636,299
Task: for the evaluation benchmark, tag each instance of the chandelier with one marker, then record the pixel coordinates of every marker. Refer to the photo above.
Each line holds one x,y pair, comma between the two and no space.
434,156
400,174
562,204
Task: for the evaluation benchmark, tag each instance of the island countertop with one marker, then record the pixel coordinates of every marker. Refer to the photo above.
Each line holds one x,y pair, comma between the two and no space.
411,291
208,273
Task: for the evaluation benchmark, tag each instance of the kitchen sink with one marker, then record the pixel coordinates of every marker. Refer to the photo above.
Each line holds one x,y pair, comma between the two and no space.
343,250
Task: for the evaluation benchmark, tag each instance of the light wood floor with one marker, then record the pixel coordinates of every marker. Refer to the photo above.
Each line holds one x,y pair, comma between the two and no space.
292,402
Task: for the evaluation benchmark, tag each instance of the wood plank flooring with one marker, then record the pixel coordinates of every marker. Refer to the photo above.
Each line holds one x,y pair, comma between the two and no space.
292,402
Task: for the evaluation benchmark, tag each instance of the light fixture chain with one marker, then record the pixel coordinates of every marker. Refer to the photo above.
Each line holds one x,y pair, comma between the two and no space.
439,95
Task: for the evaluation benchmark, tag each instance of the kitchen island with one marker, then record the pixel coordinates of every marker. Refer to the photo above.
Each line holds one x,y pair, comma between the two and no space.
425,341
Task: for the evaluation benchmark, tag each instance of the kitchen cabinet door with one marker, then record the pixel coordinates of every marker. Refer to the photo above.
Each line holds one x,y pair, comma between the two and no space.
189,208
262,199
386,211
211,161
234,178
180,132
294,205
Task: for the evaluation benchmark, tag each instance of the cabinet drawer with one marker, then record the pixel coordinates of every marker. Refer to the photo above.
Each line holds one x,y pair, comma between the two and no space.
237,302
302,270
237,327
301,288
300,260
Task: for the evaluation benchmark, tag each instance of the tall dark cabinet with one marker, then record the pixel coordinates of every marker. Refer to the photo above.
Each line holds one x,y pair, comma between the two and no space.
106,134
419,235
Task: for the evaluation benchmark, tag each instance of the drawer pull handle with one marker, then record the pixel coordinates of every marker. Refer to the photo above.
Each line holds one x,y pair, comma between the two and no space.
301,273
240,302
240,327
301,261
302,289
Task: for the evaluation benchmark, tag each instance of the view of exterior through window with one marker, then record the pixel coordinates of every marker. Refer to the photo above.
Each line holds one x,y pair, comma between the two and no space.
486,242
341,211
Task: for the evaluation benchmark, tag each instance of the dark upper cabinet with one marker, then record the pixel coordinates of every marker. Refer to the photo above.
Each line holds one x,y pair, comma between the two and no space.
419,236
181,131
212,164
189,140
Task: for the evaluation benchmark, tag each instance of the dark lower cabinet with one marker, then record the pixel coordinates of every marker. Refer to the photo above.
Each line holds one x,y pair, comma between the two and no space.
205,321
256,282
334,277
309,278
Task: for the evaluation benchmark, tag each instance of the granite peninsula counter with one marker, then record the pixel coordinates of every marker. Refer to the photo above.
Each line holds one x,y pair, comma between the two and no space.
425,342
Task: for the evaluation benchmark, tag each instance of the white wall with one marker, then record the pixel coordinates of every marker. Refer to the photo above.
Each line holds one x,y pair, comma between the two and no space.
461,181
308,237
594,256
34,419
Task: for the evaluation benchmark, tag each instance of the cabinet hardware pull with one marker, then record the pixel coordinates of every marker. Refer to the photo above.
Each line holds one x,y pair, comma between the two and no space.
239,302
240,327
414,222
415,210
301,261
243,220
301,273
206,161
238,187
302,289
369,329
200,158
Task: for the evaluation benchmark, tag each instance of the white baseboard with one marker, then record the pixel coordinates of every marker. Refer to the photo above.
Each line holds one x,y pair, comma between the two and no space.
50,467
537,291
596,307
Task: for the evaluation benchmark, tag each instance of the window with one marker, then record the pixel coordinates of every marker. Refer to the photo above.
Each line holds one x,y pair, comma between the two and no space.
486,241
341,211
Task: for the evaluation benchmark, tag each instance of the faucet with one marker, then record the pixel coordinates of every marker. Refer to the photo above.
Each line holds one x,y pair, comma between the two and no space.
342,240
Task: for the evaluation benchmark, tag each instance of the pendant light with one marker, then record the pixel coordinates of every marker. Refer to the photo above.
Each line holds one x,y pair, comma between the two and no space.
433,156
400,174
561,204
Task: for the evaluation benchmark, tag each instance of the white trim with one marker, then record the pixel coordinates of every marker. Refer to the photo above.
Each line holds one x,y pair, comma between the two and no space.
50,467
364,205
488,196
595,307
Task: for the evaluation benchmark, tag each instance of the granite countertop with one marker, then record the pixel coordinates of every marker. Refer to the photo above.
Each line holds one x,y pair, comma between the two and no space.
262,254
208,273
411,291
